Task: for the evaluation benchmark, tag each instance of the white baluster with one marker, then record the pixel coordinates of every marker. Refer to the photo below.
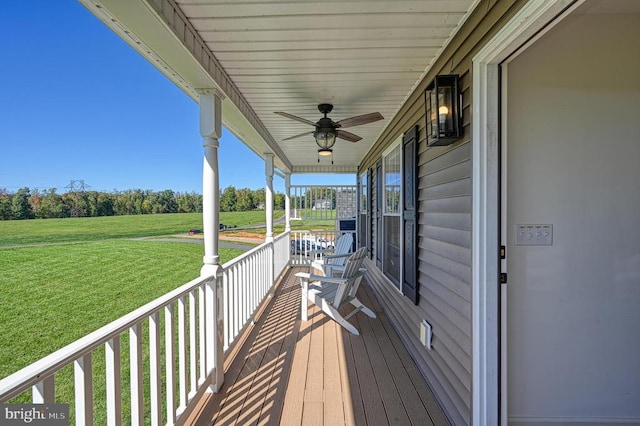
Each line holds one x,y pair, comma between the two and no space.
44,392
154,369
114,382
169,364
135,374
83,379
182,352
193,372
202,335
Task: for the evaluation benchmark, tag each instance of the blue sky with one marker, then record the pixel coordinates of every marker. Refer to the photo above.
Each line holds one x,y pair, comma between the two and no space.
77,103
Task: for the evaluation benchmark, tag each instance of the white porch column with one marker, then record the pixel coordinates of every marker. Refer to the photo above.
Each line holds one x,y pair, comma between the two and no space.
268,171
211,130
287,202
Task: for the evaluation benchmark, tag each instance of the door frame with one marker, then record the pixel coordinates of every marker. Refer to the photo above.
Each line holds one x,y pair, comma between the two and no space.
533,20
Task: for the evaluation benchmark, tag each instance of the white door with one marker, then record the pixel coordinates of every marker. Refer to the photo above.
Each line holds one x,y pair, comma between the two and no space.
572,223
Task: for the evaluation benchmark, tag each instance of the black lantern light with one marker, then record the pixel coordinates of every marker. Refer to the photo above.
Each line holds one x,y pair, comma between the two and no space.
325,135
444,113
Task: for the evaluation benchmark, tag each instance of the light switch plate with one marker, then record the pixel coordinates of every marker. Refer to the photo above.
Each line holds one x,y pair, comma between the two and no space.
534,235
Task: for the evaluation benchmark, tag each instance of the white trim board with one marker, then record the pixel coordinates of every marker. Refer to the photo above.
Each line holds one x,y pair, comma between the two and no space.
534,19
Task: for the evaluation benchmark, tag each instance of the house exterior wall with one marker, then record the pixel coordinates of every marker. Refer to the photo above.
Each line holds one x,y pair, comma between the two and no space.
444,227
573,161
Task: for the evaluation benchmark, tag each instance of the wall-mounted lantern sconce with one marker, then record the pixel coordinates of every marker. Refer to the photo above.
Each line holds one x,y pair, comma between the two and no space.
444,112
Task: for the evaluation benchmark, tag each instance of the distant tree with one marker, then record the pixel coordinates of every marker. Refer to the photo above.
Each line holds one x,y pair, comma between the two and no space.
90,202
20,206
105,204
259,197
5,205
34,200
26,203
119,203
76,203
164,202
229,199
189,202
245,200
51,205
278,201
148,204
140,198
131,202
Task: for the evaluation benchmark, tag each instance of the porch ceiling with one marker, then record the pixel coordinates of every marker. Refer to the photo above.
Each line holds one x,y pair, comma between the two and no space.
360,55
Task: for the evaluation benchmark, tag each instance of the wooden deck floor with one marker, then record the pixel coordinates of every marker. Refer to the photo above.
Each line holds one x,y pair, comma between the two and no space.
291,372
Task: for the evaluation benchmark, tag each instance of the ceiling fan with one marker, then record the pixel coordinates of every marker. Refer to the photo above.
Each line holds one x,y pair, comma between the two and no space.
328,130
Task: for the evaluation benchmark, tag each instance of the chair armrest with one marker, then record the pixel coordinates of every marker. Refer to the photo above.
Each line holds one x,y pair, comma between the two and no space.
332,280
320,251
322,278
340,268
335,280
337,256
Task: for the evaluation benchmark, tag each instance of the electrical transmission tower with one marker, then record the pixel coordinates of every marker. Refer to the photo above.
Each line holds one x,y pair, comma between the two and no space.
76,187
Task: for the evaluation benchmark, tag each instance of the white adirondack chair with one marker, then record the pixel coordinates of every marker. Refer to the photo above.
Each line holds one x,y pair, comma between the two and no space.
332,293
328,263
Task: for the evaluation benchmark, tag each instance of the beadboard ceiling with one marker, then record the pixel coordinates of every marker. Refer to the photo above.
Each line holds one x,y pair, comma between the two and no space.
361,56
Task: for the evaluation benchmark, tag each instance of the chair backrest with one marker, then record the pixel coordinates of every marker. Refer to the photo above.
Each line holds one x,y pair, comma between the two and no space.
343,246
353,273
354,263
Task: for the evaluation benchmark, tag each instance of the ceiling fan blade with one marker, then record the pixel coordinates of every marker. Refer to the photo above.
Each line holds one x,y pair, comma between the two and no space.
293,117
299,136
347,136
360,120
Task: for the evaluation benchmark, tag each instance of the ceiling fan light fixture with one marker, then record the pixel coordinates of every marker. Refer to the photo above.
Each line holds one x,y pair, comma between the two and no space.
325,152
325,138
326,130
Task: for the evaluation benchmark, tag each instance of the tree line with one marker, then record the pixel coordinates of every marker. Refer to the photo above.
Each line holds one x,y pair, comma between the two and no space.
46,204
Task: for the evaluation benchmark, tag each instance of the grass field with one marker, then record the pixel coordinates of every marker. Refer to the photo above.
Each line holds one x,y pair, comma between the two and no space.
53,295
19,232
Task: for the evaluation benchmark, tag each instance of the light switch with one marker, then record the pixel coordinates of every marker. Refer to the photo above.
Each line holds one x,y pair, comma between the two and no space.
534,235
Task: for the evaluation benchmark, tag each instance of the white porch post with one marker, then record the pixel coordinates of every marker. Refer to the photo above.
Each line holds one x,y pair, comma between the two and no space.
268,171
211,130
287,202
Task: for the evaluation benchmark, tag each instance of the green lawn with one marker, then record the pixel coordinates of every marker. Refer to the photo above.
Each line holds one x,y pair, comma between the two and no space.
53,295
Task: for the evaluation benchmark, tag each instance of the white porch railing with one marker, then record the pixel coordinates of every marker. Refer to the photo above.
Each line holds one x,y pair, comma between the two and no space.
170,339
317,202
281,253
260,267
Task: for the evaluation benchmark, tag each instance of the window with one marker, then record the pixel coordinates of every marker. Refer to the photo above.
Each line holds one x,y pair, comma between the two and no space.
392,211
395,214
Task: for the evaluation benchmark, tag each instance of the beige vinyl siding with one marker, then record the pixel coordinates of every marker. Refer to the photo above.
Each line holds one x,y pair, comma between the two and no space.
444,227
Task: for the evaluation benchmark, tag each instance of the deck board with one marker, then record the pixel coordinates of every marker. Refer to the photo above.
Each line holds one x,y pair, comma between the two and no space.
293,372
